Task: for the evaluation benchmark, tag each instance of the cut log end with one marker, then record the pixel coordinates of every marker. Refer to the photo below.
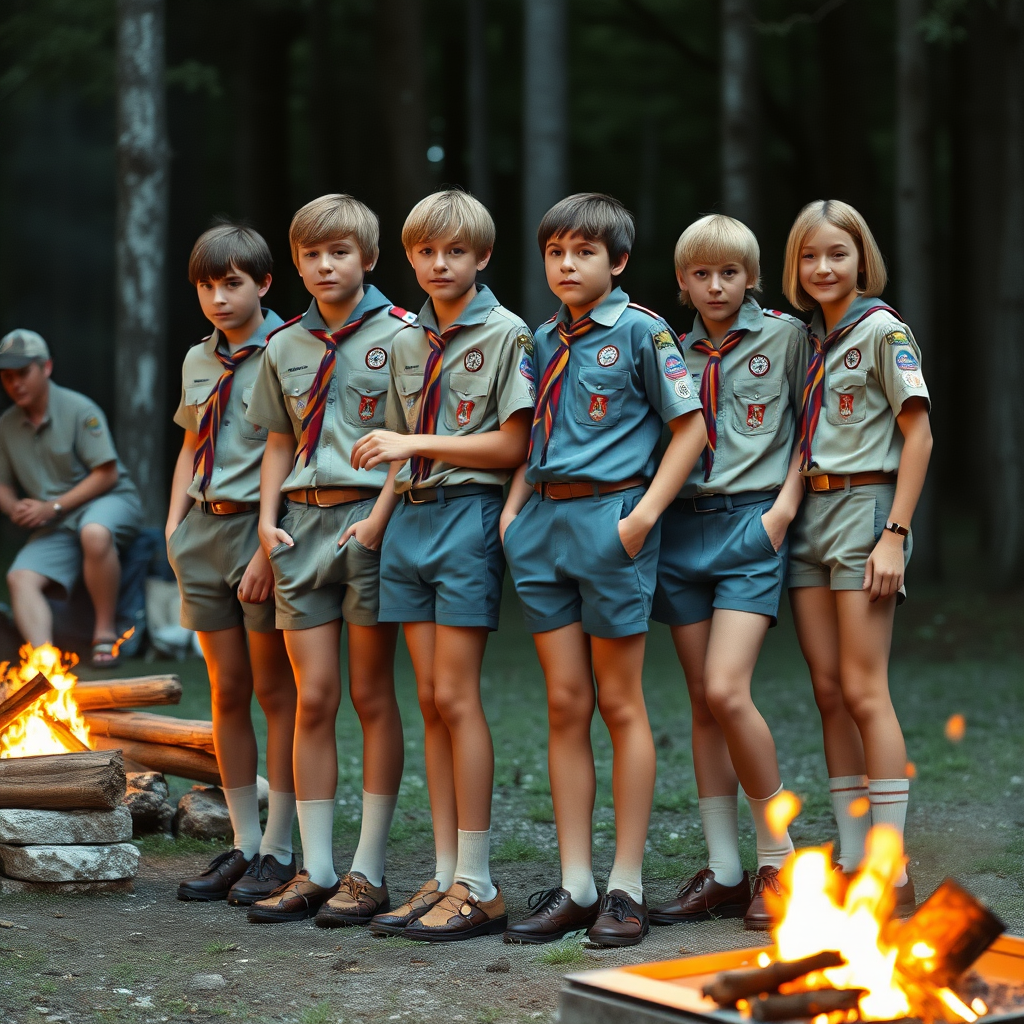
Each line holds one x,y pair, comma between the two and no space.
86,780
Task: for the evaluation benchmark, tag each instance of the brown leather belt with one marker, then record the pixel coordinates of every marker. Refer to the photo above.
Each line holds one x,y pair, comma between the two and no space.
558,491
425,495
328,497
227,508
834,482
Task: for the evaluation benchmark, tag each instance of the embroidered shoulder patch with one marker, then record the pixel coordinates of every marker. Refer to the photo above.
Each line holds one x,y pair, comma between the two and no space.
664,339
525,342
905,360
897,337
92,424
402,314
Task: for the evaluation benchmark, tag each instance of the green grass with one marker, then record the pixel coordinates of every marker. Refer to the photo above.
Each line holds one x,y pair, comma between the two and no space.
515,849
567,952
216,948
489,1015
319,1014
395,942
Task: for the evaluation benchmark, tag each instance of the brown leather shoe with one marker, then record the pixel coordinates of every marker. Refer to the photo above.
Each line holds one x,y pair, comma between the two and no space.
621,921
459,915
355,902
262,877
767,888
215,882
395,922
296,900
906,898
554,916
702,898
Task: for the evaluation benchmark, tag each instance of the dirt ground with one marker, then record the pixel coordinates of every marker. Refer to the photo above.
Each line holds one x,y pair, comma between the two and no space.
146,957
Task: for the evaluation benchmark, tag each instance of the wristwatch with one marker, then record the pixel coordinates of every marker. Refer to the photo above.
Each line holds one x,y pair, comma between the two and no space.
900,531
58,508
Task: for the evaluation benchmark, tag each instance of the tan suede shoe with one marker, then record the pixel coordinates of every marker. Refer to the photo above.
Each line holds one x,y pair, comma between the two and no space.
459,915
355,902
396,921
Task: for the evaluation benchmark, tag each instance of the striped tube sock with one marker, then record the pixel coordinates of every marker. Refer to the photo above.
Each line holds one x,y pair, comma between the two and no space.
844,789
889,807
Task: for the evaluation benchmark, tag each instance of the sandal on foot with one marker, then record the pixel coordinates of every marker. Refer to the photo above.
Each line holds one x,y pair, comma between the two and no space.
105,653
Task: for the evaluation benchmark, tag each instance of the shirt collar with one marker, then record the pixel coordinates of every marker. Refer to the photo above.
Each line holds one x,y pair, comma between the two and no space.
271,321
860,305
476,312
748,318
371,301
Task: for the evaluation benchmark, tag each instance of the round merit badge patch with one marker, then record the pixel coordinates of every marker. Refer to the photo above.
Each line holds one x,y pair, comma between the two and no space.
608,356
852,359
682,389
905,360
913,380
675,368
526,368
376,359
759,364
474,360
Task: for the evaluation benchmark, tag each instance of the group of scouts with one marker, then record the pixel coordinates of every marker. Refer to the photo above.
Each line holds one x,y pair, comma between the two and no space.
365,464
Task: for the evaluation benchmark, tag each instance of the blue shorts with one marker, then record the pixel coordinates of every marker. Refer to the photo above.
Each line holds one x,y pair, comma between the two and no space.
719,559
568,565
442,562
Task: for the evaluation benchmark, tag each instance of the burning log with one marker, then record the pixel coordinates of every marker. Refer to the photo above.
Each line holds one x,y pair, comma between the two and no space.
91,779
804,1004
162,757
63,732
729,986
150,728
144,691
23,698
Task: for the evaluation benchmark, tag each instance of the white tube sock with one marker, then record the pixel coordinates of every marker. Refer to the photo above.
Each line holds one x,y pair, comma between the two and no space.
844,789
578,881
771,851
889,799
444,866
721,833
368,859
244,811
628,878
277,836
316,828
473,868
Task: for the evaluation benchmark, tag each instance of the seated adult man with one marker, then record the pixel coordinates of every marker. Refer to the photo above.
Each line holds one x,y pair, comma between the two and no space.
79,503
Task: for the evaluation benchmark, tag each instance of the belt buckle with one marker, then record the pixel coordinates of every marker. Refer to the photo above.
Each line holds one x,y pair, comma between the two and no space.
824,482
316,498
696,508
413,500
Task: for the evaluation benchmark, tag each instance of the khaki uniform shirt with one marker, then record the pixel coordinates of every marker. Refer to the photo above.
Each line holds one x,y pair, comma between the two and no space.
239,449
481,385
869,374
356,398
762,382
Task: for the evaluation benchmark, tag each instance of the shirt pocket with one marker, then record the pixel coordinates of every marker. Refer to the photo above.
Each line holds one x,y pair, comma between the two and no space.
409,386
845,400
250,431
197,398
295,388
366,397
467,400
599,396
755,406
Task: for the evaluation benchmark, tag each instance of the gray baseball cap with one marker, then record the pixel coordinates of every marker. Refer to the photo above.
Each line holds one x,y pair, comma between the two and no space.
20,347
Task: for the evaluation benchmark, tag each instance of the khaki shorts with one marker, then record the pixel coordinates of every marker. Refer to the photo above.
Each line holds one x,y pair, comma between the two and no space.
315,581
835,532
56,552
209,555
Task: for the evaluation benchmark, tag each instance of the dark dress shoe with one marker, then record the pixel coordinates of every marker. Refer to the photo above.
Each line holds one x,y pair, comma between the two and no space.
395,922
215,882
702,898
554,916
264,875
621,921
355,902
760,916
296,900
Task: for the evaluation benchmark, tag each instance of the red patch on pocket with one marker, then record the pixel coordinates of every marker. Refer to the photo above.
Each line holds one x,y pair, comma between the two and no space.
367,407
598,407
464,412
755,416
846,406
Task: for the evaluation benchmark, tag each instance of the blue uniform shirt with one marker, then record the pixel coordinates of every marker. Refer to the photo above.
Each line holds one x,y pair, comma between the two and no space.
624,377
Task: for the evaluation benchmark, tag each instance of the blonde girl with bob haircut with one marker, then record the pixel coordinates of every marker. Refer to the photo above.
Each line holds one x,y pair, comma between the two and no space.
864,445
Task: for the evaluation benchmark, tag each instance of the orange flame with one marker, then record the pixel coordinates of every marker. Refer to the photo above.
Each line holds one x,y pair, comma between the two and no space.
859,807
956,726
781,810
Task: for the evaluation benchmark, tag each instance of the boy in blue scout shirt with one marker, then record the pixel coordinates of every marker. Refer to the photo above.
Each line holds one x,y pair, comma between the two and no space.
323,384
580,529
225,578
460,411
723,555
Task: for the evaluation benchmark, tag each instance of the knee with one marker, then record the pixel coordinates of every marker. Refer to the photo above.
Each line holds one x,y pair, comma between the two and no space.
275,697
725,700
370,700
865,704
20,582
97,541
828,695
318,706
230,693
452,705
620,713
567,708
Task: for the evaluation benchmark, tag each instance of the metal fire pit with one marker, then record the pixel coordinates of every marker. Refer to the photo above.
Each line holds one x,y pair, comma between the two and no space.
669,991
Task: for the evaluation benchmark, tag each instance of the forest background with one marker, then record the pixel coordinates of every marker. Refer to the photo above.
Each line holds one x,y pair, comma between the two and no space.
912,110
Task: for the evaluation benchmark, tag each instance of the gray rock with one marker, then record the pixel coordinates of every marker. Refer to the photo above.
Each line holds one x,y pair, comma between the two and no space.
203,814
16,887
48,863
21,827
206,982
146,800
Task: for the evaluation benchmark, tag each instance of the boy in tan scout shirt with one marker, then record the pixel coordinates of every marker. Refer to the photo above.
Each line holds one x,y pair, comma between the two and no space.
864,449
459,409
323,384
225,579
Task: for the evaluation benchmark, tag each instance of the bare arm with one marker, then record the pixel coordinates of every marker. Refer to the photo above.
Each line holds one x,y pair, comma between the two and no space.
30,513
278,457
519,492
370,531
8,499
777,519
181,501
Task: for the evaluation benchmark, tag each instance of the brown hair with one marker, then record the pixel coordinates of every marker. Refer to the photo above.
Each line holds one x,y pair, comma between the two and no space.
595,216
335,216
450,214
717,239
228,247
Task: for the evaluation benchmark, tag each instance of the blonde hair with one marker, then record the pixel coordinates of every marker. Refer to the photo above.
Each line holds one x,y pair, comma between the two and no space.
335,216
450,214
717,239
871,275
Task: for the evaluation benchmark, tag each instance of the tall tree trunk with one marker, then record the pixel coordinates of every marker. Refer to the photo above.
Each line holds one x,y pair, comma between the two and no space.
739,112
143,157
915,269
476,100
545,140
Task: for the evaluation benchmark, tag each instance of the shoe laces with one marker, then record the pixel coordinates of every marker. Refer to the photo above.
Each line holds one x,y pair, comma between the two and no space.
544,899
352,887
617,906
264,872
770,880
696,883
220,859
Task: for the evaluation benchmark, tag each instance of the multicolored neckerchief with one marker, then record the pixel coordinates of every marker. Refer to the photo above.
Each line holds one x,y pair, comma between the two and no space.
711,387
430,403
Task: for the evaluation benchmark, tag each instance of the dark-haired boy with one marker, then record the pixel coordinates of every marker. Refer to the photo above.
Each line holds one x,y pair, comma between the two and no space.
225,579
581,532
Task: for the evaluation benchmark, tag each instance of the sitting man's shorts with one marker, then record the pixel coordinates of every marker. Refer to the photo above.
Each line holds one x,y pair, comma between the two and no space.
315,581
569,565
209,555
56,551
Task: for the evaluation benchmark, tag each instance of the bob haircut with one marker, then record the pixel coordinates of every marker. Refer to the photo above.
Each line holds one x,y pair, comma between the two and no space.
871,275
335,216
595,216
228,247
717,239
450,214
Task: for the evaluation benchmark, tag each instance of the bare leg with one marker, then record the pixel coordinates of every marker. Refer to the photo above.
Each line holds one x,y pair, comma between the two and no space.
101,571
32,614
274,684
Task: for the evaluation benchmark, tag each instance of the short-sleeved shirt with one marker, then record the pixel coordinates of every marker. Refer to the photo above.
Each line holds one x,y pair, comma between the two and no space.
869,374
481,383
239,448
47,460
624,377
356,397
762,382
